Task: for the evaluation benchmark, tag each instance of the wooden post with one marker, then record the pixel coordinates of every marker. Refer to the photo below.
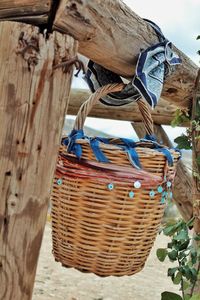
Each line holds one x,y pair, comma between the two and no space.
33,101
196,153
195,133
183,179
31,11
112,35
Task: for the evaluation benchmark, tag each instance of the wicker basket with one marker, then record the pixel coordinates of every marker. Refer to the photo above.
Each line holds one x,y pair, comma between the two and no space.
105,216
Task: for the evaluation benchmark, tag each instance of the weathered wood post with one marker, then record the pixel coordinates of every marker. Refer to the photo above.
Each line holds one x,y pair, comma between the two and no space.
196,153
111,34
33,100
31,11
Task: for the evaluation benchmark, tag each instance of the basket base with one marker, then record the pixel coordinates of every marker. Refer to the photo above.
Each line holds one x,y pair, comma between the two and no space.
100,273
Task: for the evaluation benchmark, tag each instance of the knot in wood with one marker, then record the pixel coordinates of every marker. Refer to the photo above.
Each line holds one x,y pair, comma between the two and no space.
12,204
28,48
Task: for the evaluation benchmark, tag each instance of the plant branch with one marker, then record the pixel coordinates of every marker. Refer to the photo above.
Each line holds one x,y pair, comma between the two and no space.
194,284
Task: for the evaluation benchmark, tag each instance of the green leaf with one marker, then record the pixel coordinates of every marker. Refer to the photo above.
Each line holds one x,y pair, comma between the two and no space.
193,274
198,37
183,142
173,255
180,118
161,254
184,245
186,285
182,236
170,245
177,278
170,296
193,256
187,297
172,271
171,229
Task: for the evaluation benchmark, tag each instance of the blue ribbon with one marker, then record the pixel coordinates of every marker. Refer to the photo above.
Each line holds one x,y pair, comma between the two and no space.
159,148
100,156
132,153
73,147
127,145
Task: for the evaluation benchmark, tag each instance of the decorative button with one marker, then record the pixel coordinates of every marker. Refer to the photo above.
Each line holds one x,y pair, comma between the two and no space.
59,181
160,189
169,184
131,194
137,184
110,186
162,200
152,193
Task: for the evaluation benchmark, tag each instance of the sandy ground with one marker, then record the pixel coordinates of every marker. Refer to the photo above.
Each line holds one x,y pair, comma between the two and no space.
55,282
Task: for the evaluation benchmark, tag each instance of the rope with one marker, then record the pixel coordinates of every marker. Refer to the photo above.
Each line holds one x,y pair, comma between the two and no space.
103,91
146,115
93,99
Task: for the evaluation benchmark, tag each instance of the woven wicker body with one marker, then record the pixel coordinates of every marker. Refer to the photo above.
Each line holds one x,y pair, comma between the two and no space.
105,217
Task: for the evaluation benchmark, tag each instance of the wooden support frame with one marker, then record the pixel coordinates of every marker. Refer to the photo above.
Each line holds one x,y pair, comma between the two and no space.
31,11
112,35
183,179
33,101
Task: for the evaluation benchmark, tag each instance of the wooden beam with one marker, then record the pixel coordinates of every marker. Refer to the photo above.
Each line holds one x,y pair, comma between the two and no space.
183,179
32,11
33,101
112,35
162,114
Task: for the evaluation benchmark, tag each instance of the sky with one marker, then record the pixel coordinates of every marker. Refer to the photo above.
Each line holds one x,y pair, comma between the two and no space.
180,23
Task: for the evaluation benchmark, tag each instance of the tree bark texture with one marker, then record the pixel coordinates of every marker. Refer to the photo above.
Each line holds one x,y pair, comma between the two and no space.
33,100
112,35
195,126
31,11
183,180
163,114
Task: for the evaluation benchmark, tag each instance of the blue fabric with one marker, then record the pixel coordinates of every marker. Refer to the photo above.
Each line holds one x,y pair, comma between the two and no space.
73,147
132,153
150,137
167,154
98,76
128,145
153,64
94,143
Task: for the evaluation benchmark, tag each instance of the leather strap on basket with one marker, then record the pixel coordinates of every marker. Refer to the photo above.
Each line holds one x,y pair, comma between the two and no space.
101,92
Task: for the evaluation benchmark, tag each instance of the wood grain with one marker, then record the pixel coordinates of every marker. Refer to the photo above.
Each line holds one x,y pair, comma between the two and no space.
183,179
112,35
33,101
32,11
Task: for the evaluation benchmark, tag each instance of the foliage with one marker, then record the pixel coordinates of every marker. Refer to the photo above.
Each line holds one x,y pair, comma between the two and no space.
180,118
181,250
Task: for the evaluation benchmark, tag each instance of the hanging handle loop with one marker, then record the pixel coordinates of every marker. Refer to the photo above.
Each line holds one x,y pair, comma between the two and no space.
103,91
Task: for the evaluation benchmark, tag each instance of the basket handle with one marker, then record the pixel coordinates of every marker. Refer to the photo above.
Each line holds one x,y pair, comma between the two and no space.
103,91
